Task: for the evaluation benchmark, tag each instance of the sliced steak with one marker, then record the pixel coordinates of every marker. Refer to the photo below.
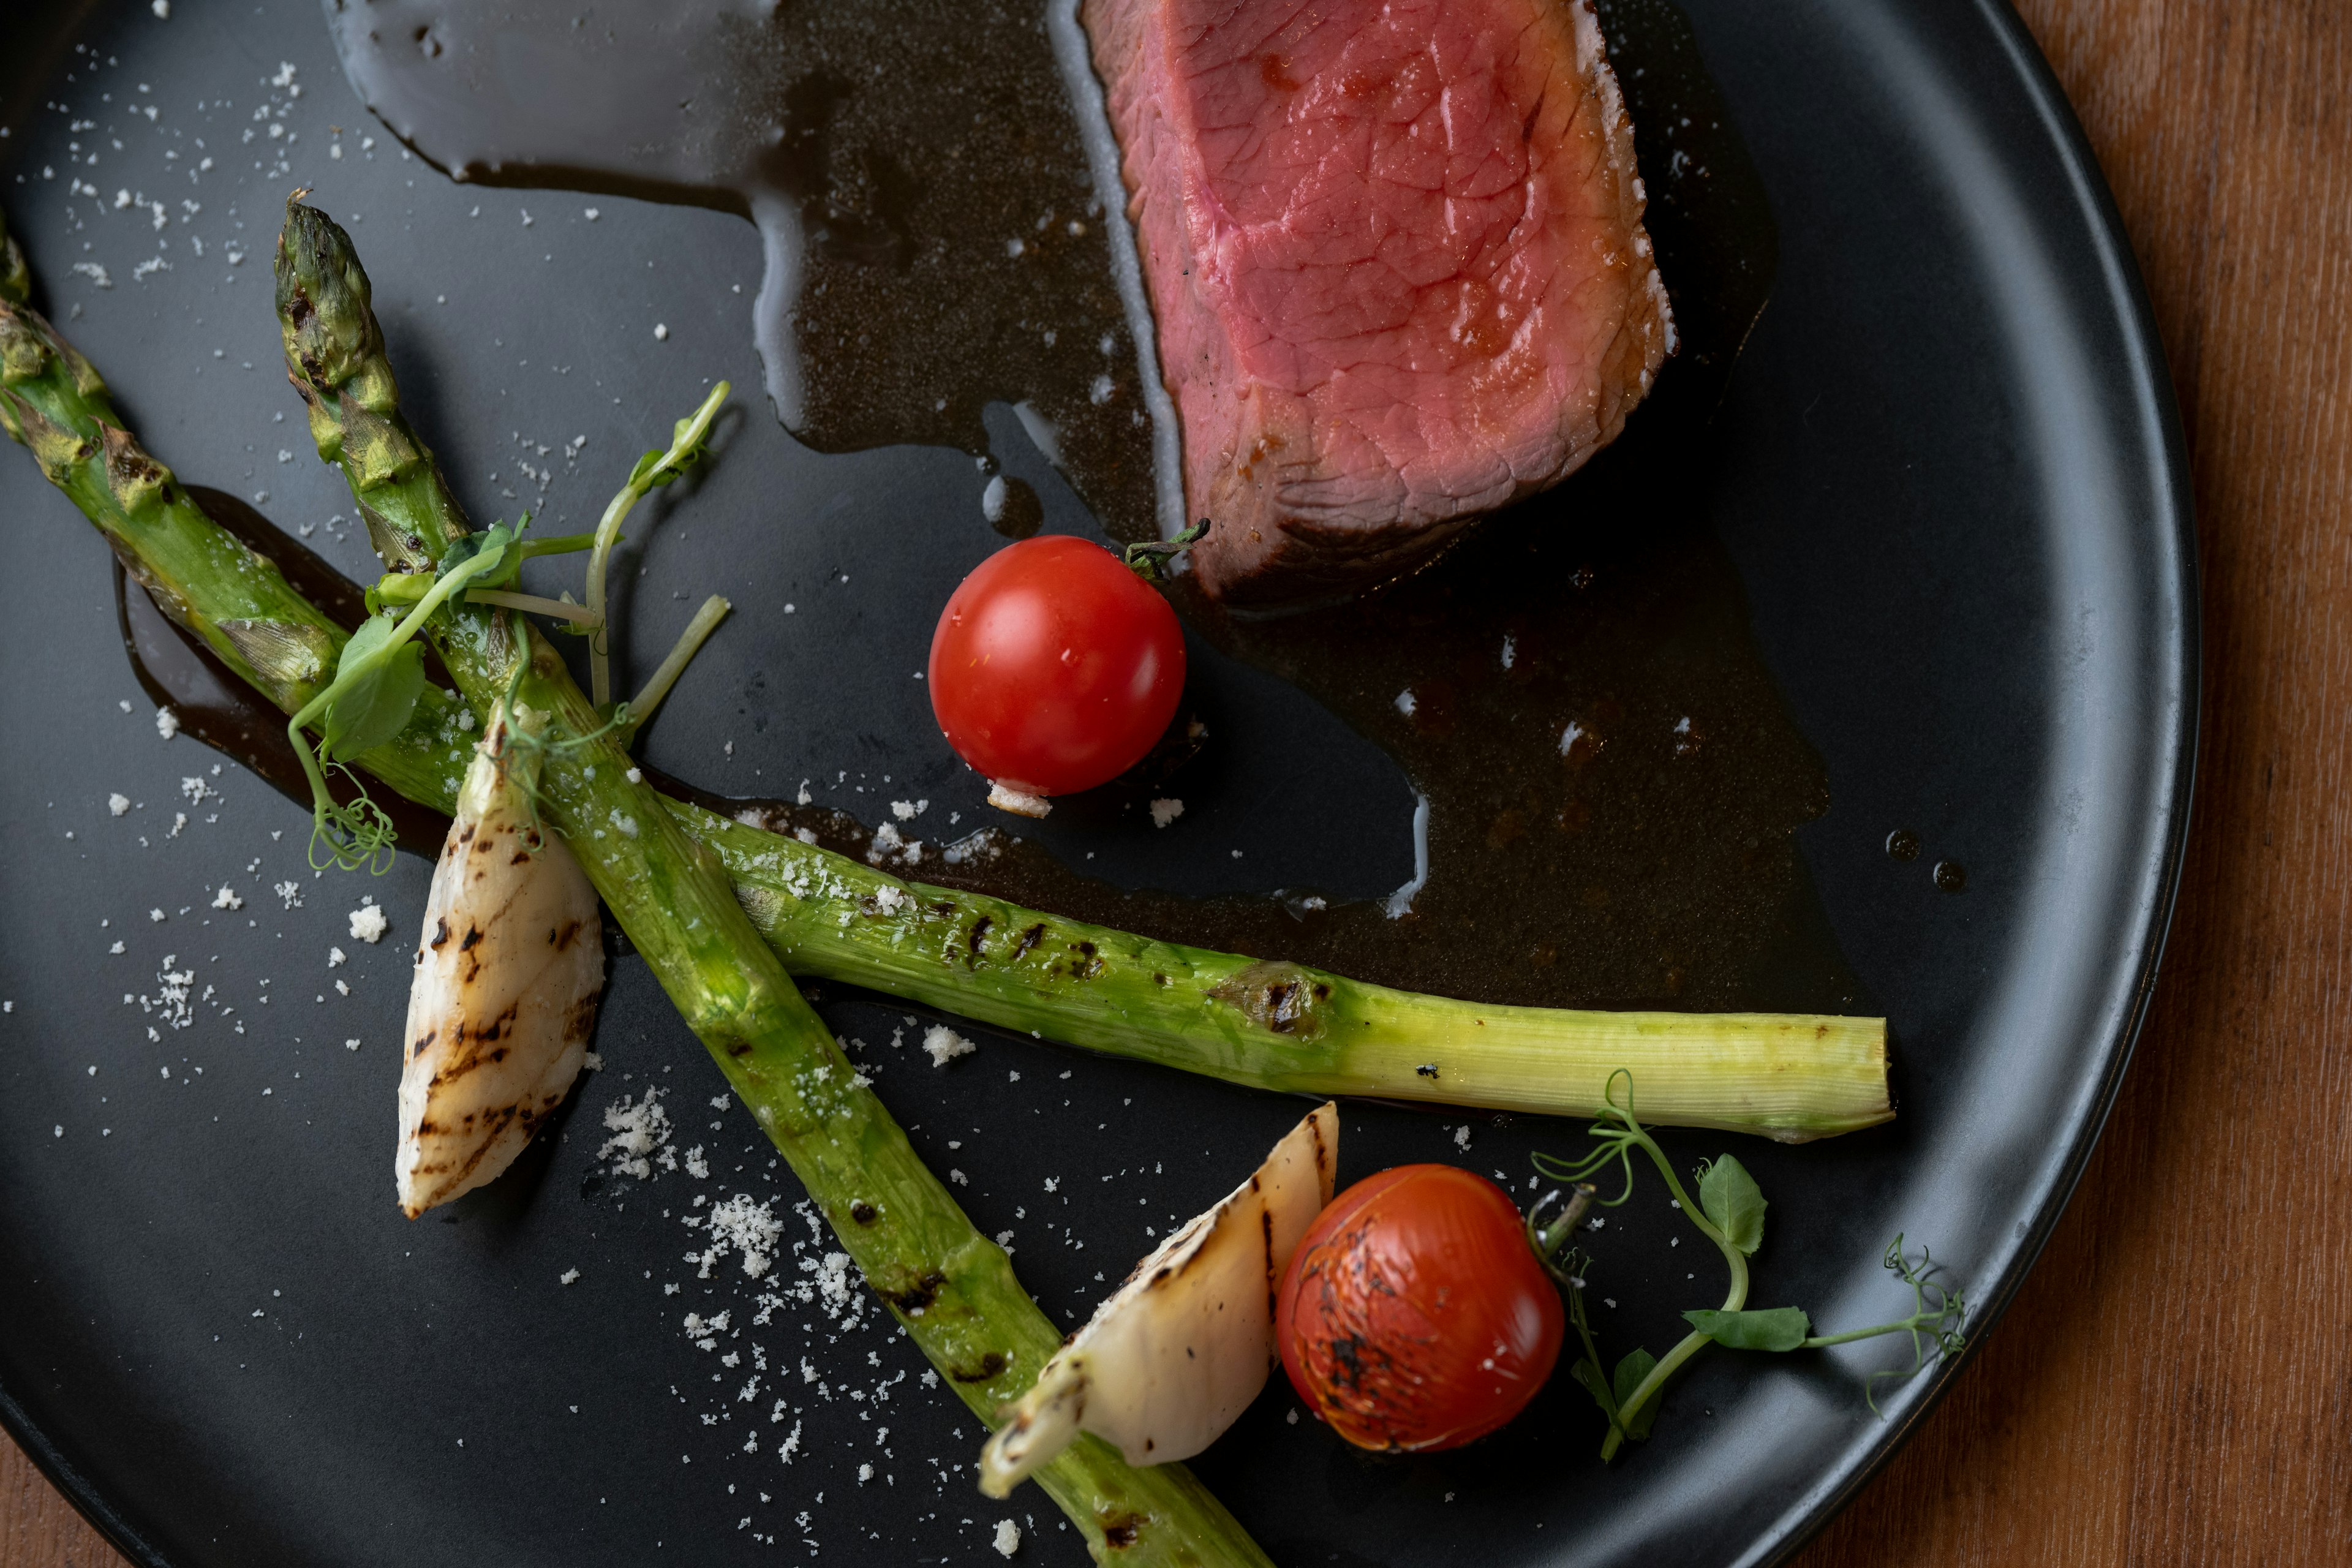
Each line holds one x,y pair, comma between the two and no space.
1396,255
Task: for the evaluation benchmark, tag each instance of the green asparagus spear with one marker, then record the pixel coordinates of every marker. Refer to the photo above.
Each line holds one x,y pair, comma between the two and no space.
951,1289
239,604
1789,1077
1281,1025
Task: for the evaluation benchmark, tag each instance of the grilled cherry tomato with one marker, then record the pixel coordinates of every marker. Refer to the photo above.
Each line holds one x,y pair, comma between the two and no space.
1054,667
1414,1314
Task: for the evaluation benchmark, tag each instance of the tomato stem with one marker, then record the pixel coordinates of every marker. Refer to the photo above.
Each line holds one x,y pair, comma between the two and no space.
1148,559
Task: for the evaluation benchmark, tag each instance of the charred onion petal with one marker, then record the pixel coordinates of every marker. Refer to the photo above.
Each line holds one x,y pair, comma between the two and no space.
508,974
1181,1349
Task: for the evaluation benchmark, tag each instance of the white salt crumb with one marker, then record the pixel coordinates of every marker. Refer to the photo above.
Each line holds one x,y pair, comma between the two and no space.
335,956
864,1474
351,1045
156,915
116,948
569,1276
661,332
226,898
1165,811
1008,1537
1017,803
591,214
1462,1136
591,1062
167,723
117,804
163,9
368,923
1404,702
945,1045
991,499
640,1131
636,775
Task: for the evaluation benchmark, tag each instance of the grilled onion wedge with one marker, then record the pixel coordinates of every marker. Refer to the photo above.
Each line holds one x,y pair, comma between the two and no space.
508,975
1170,1361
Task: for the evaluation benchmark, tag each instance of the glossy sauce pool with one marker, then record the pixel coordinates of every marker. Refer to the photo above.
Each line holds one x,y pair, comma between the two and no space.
1610,783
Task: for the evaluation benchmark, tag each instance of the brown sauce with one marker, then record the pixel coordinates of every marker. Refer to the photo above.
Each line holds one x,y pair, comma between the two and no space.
1611,808
934,236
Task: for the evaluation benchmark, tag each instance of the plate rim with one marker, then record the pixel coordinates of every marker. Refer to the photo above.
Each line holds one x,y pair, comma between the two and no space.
2153,396
2157,405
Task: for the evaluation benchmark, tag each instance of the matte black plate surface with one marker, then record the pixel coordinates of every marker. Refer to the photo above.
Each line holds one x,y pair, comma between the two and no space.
1951,480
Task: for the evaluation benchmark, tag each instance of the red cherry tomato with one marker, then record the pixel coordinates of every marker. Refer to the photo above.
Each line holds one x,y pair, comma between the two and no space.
1054,668
1414,1314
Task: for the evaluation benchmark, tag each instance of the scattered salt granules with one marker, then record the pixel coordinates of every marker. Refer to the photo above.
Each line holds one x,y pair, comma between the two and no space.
569,1277
117,804
746,1226
945,1045
226,898
167,723
1165,811
1008,1537
640,1129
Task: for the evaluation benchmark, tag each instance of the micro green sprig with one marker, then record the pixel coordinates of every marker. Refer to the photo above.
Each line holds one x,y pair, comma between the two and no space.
377,683
688,441
1730,1213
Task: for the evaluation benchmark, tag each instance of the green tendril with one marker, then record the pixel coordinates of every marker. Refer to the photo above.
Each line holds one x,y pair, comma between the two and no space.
357,837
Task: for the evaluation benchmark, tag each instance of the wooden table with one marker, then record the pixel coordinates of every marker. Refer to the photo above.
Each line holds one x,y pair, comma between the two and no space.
2174,1385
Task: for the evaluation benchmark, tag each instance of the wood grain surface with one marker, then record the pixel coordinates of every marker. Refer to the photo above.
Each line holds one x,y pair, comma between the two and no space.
2174,1385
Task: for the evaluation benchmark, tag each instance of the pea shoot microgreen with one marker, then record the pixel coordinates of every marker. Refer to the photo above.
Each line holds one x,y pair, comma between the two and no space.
688,442
381,674
377,682
1730,1213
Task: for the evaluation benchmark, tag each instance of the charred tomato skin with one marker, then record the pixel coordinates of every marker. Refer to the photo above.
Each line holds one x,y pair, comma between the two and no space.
1414,1314
1055,667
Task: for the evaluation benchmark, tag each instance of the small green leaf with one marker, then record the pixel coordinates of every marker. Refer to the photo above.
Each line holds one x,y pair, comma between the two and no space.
375,707
373,633
1759,1329
1637,1365
646,465
1734,1203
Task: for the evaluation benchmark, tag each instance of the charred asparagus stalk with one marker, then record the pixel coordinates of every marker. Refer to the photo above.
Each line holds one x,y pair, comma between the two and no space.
1271,1025
1789,1077
950,1288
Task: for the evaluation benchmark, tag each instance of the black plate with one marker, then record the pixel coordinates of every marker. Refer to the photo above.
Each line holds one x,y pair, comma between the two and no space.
1951,480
